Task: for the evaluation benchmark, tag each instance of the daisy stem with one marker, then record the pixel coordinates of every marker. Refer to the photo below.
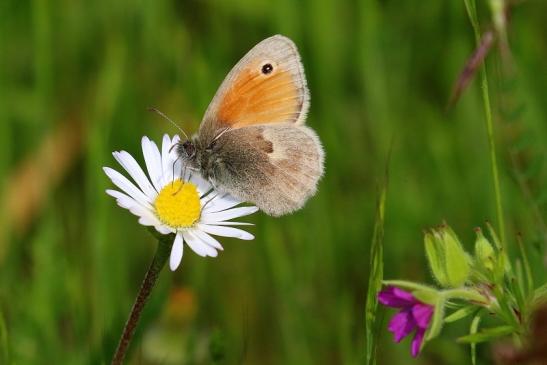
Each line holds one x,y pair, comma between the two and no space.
160,258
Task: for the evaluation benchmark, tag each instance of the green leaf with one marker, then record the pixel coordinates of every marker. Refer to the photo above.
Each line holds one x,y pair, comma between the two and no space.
487,334
375,276
461,313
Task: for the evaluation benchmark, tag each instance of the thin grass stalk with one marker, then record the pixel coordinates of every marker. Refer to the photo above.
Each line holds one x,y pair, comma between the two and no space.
472,13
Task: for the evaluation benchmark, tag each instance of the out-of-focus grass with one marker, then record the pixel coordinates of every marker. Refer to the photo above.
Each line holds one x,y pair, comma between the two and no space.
296,294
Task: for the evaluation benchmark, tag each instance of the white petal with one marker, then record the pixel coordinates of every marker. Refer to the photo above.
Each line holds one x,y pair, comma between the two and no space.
198,246
226,231
176,252
203,185
135,171
152,158
128,187
231,223
211,241
174,141
145,221
125,201
163,229
221,202
227,214
166,162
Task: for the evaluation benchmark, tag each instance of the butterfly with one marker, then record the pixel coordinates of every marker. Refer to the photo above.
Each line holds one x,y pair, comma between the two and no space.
252,142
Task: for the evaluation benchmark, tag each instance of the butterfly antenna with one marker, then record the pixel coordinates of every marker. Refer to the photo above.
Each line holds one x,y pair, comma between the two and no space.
167,118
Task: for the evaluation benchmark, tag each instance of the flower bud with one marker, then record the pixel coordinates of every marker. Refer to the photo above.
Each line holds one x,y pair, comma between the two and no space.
484,252
447,258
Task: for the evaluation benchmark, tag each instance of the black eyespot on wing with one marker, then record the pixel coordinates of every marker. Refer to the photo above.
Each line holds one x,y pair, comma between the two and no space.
267,68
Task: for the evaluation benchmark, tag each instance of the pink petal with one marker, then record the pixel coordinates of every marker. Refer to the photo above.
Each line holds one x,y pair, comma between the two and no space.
395,297
402,324
417,342
422,314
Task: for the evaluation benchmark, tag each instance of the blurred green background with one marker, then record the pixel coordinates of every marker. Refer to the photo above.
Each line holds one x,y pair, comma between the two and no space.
76,78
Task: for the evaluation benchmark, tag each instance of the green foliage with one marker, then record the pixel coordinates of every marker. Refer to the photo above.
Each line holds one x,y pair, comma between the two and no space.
372,324
447,258
486,334
460,313
71,261
472,331
4,350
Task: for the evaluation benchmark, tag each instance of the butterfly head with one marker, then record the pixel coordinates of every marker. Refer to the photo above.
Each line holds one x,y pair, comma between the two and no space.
187,149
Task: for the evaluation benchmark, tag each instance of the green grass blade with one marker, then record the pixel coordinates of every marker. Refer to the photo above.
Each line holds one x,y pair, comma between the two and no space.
376,274
527,267
4,351
472,13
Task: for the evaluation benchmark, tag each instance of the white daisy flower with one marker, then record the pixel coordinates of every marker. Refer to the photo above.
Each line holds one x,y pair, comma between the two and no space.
173,200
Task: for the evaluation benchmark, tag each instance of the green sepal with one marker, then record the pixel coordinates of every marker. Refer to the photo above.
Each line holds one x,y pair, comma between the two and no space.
437,320
435,257
456,259
485,255
410,285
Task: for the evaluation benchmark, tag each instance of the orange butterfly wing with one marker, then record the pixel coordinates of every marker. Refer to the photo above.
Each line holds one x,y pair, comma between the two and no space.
267,86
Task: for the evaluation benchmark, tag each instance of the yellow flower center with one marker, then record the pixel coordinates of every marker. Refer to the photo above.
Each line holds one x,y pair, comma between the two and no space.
178,204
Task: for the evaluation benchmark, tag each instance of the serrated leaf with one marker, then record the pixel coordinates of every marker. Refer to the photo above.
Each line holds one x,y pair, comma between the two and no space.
487,334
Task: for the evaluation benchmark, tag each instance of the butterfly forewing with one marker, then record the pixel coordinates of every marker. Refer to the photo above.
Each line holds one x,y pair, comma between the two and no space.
267,86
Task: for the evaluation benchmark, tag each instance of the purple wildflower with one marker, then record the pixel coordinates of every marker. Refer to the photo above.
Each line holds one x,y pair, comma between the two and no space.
413,315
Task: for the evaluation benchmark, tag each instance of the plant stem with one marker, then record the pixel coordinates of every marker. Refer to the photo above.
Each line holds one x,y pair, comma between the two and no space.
493,159
472,12
160,258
